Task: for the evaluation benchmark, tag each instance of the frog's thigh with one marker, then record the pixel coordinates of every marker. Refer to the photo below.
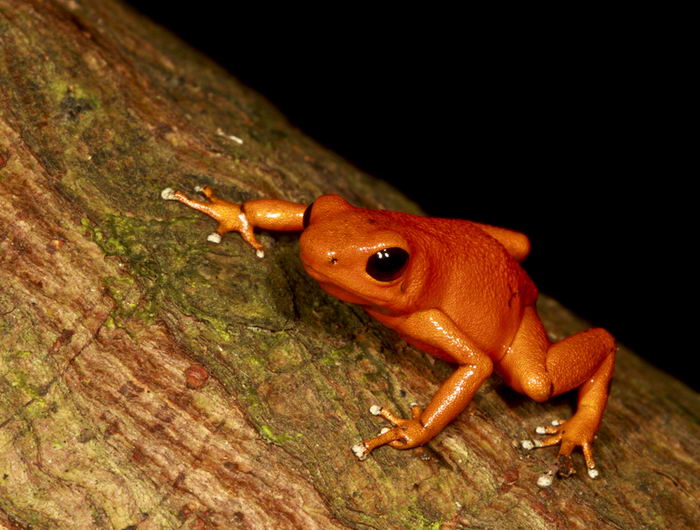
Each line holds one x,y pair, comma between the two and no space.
586,357
524,367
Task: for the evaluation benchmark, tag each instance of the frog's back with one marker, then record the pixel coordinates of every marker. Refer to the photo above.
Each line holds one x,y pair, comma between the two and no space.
473,279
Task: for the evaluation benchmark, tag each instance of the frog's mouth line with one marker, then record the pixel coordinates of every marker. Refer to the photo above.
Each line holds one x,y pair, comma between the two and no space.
328,285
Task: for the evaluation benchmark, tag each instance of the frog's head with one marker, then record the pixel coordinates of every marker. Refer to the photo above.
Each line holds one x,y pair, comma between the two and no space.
355,254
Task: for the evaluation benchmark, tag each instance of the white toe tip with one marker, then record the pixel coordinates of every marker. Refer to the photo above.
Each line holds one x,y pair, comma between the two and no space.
556,423
541,430
260,253
360,451
593,473
375,410
198,188
544,481
384,430
214,238
527,444
168,194
414,404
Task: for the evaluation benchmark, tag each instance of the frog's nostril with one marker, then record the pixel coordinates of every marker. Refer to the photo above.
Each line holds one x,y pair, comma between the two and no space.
333,261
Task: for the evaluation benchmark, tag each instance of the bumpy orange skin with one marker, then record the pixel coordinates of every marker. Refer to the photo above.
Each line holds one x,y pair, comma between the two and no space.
461,297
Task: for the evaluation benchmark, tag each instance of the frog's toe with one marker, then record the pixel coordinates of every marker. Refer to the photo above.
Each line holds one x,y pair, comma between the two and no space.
553,428
404,433
575,432
360,451
590,462
376,410
214,238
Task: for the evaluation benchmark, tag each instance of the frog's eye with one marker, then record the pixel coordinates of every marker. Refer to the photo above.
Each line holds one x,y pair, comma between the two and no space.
387,264
307,215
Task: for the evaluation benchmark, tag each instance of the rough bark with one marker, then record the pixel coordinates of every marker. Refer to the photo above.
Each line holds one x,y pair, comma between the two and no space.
149,379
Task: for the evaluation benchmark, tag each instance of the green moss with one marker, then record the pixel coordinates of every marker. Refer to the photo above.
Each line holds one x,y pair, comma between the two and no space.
11,356
219,328
38,408
333,357
59,88
128,238
404,514
413,517
20,381
278,439
119,236
32,518
222,291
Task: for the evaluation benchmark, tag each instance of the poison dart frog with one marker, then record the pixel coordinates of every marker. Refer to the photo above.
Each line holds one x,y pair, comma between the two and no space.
452,288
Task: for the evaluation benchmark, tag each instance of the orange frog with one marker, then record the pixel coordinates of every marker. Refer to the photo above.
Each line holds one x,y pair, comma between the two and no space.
452,288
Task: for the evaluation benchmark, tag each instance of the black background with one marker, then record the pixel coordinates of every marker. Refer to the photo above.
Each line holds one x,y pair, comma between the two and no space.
564,132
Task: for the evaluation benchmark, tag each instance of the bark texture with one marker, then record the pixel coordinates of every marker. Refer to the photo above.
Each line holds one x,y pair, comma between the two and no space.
149,379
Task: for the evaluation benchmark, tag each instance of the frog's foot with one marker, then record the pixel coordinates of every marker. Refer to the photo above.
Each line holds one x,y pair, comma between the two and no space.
578,431
404,434
230,216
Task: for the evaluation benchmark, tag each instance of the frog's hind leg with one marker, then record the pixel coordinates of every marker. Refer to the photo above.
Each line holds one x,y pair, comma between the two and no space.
540,369
585,361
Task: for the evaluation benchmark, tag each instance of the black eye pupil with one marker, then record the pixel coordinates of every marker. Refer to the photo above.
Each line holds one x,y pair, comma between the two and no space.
387,264
307,215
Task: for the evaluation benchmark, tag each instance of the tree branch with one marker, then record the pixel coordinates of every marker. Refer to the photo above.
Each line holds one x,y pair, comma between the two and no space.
114,310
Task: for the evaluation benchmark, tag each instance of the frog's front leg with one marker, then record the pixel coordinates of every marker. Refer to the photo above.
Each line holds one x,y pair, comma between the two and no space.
268,214
436,329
